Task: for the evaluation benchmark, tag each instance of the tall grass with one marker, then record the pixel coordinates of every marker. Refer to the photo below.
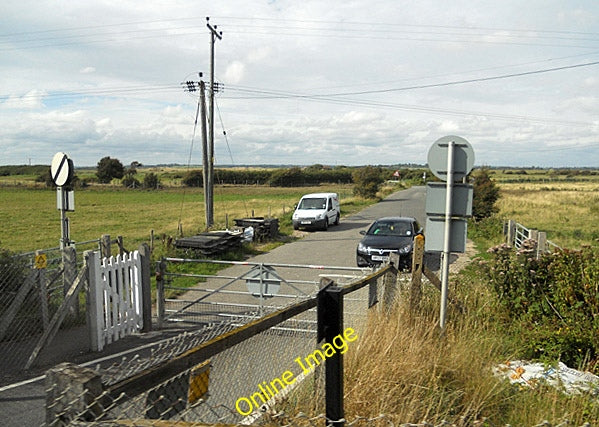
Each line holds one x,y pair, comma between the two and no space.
568,212
402,366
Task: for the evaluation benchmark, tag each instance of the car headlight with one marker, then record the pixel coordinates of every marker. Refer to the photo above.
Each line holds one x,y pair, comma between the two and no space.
362,248
405,250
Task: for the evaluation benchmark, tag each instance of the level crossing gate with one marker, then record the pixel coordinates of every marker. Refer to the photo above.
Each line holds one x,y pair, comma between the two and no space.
242,290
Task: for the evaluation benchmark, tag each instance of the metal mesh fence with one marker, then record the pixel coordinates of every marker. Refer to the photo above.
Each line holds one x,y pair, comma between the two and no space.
239,384
29,298
32,288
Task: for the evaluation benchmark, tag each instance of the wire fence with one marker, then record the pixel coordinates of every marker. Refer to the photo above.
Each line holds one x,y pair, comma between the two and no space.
32,289
234,372
29,298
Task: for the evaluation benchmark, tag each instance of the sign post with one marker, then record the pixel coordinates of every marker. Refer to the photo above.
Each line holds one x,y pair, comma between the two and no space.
450,159
62,171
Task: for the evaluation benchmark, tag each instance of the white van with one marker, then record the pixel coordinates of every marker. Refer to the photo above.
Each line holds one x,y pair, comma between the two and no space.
317,210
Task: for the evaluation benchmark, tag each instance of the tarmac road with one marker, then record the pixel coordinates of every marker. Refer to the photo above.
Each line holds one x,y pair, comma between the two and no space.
24,405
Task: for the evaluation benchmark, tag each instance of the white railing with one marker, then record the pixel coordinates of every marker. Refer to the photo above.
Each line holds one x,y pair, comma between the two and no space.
517,234
115,297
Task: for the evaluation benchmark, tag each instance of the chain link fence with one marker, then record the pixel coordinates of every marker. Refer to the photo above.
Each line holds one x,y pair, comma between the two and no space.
32,289
30,294
236,371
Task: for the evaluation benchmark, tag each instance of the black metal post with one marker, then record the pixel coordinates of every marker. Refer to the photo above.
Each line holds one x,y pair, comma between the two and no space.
330,319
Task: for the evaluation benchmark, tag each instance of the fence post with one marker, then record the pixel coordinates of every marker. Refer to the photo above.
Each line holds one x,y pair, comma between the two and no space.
69,263
510,235
72,392
330,324
95,301
541,243
417,261
105,246
146,287
160,271
121,245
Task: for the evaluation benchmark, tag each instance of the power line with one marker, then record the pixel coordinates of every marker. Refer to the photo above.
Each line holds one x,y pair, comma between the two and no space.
460,82
305,27
300,21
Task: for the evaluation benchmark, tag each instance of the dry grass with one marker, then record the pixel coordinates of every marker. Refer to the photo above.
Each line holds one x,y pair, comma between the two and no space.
567,211
402,366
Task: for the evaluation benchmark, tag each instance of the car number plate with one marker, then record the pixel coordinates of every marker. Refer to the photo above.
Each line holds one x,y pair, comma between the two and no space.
306,222
379,258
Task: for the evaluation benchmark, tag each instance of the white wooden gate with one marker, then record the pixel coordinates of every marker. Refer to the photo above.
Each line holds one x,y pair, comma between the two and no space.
114,298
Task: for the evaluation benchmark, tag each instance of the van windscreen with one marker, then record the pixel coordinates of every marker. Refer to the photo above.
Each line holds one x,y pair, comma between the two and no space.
315,203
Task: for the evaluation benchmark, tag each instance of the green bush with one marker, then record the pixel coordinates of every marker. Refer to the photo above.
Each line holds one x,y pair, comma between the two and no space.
485,195
292,177
551,303
151,181
367,181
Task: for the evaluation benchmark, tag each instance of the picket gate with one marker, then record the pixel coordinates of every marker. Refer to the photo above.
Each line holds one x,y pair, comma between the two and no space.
114,298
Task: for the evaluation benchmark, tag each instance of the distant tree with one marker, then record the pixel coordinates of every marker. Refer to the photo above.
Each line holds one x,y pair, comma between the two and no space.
486,194
193,178
151,180
367,181
292,177
108,169
129,180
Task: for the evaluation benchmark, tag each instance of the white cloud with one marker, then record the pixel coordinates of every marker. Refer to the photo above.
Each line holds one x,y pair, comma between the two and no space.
235,72
114,88
33,99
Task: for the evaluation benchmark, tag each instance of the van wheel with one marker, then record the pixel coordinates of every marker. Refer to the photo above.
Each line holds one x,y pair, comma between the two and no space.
326,224
336,220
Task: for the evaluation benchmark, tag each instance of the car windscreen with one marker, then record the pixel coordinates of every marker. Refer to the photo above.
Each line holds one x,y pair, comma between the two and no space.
390,228
313,203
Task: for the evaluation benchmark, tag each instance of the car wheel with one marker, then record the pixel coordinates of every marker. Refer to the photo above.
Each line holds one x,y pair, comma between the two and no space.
336,220
326,224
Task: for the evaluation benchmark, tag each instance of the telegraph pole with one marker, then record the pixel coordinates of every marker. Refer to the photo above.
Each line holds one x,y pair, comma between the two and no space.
205,154
192,86
214,34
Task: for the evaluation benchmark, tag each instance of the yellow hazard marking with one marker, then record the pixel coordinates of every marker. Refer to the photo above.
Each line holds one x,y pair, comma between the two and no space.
198,382
41,261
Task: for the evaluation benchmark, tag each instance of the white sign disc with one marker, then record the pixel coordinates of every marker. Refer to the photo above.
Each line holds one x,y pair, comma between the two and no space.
61,169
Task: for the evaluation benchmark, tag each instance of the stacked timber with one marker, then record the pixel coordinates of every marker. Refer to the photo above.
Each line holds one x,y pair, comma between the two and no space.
211,243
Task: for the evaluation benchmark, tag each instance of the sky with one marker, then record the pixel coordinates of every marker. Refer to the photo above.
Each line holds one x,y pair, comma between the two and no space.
301,82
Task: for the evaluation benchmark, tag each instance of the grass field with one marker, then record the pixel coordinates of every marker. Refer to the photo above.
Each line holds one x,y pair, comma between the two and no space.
30,219
565,204
567,211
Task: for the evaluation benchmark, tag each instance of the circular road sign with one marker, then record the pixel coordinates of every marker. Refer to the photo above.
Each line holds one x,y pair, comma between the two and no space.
61,169
463,157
